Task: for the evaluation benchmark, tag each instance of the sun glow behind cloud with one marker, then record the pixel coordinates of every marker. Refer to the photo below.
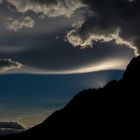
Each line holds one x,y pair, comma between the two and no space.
101,66
108,64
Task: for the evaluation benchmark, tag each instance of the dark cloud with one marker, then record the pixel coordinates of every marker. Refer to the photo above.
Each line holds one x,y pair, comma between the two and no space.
116,20
8,64
40,51
10,127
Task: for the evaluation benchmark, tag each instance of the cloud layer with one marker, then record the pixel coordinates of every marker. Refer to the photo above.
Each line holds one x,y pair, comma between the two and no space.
8,64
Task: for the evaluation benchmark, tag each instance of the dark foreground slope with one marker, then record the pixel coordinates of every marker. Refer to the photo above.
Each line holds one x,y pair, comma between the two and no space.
109,112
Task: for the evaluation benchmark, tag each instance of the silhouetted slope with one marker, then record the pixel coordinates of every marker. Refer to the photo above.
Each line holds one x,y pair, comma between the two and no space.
109,112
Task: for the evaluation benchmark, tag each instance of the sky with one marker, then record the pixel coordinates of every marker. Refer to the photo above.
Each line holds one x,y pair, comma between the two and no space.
52,49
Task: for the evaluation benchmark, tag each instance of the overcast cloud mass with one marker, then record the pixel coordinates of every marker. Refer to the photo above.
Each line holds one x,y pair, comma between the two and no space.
68,36
116,20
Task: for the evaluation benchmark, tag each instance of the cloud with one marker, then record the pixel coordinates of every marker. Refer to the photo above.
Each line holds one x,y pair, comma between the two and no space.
74,38
13,125
8,64
16,24
107,20
109,64
116,20
40,51
9,127
46,55
50,8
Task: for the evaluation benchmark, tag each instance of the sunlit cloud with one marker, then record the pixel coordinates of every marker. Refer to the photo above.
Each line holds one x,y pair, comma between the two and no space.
8,64
88,42
118,21
16,24
53,8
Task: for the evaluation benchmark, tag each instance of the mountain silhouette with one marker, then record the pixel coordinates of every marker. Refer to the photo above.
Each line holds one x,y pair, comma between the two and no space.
109,112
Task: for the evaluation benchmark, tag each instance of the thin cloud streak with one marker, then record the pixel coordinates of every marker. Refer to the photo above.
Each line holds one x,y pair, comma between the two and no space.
108,64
